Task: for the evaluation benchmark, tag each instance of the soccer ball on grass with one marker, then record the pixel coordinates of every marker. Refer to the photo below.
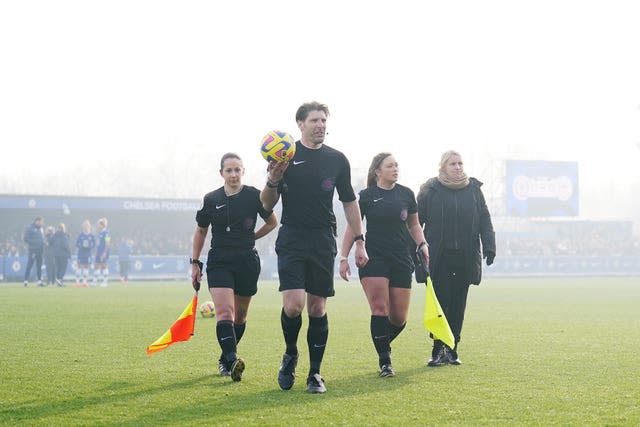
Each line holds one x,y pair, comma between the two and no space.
207,309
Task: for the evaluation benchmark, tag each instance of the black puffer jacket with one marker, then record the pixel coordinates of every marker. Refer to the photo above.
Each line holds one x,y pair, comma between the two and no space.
472,223
60,245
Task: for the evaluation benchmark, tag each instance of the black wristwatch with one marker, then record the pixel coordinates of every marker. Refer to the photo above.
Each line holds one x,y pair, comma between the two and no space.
193,261
358,237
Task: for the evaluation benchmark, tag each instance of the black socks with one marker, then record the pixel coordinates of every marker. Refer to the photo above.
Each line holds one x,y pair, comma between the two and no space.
290,329
239,328
394,331
380,334
317,335
227,340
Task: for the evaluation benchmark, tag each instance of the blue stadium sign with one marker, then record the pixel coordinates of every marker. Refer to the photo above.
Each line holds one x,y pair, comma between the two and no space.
542,189
68,204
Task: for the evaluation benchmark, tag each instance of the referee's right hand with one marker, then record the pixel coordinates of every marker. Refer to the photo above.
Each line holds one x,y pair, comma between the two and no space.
196,275
345,269
276,170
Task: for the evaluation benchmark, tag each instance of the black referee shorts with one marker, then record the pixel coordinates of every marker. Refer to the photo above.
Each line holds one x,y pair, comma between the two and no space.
234,268
305,259
399,273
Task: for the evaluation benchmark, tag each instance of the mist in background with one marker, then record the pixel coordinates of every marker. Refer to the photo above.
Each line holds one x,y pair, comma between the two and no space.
141,99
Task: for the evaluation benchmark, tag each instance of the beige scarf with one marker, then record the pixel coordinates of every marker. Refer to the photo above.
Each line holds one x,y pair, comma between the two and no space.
454,184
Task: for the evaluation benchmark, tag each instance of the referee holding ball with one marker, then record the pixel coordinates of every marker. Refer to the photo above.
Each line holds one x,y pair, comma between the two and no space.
306,244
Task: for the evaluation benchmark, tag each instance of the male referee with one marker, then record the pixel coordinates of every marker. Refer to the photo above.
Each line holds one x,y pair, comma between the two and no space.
306,244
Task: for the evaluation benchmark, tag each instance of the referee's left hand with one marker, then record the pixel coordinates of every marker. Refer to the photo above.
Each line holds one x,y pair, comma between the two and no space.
424,253
361,256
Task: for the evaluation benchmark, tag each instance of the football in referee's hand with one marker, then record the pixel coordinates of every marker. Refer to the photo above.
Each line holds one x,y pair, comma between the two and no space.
278,146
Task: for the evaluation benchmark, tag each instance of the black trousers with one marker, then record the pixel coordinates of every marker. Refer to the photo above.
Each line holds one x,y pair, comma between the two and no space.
34,257
451,286
61,266
50,264
124,270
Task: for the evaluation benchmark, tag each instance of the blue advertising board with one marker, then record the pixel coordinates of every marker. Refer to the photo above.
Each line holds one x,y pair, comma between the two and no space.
542,188
176,267
140,267
564,266
70,203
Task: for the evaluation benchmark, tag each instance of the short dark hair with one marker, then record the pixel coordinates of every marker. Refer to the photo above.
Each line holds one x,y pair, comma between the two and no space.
228,156
307,107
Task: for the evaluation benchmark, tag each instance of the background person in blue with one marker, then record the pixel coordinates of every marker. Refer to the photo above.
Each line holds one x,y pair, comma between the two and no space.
34,238
85,243
124,258
456,220
101,262
391,216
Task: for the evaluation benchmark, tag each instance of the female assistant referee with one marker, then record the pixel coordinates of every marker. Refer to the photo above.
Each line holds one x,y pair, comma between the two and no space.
391,214
233,264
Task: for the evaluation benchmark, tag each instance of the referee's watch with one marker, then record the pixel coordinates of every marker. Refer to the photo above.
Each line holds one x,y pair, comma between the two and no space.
358,237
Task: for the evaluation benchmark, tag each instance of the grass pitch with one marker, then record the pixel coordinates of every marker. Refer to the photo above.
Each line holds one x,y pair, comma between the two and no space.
535,352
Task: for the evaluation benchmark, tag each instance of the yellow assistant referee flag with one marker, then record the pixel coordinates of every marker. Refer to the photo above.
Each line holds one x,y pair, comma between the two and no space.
434,319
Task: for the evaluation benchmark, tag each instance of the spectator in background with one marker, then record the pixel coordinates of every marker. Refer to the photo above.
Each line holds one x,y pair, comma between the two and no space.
34,238
84,243
61,249
101,263
456,218
124,258
49,259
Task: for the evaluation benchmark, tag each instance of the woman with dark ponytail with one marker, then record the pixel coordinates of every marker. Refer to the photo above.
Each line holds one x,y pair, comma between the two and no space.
390,211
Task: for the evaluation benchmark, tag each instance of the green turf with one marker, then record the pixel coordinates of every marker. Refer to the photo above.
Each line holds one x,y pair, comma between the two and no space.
535,352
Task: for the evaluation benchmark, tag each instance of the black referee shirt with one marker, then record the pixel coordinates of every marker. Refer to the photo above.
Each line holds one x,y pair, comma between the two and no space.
309,183
386,212
232,218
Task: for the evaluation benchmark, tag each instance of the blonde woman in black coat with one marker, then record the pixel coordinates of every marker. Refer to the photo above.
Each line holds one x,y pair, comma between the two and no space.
458,229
